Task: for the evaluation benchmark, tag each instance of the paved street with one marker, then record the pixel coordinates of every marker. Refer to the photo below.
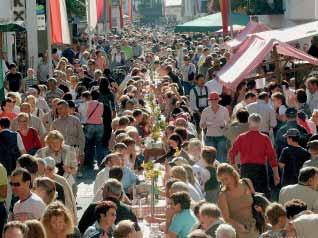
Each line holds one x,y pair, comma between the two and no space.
85,192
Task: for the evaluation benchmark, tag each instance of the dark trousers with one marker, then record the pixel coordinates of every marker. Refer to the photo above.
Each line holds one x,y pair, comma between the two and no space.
258,175
196,120
94,145
3,216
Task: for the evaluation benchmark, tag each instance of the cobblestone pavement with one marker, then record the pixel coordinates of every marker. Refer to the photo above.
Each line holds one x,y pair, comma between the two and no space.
85,192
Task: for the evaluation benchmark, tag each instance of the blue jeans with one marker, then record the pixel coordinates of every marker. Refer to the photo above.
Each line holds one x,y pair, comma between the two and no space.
186,87
94,144
220,143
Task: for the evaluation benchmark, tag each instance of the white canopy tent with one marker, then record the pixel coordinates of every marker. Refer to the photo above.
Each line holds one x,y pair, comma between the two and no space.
251,54
251,28
291,34
256,47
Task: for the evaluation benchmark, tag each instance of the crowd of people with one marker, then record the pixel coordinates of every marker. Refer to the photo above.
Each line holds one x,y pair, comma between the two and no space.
236,163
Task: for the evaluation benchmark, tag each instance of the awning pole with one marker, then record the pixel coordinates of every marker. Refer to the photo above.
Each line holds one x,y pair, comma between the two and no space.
230,19
49,40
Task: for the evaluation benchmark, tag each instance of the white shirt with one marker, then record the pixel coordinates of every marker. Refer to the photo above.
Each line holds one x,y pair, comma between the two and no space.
82,109
215,122
202,102
214,86
194,194
201,173
31,208
101,178
312,100
304,193
267,113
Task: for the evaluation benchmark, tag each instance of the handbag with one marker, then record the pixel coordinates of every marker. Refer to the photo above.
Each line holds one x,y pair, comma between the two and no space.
259,218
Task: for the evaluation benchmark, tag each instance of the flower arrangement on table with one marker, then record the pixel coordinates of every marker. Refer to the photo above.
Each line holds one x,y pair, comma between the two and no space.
159,123
152,174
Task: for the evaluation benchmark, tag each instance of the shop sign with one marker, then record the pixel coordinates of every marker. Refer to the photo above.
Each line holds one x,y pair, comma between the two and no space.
18,10
41,22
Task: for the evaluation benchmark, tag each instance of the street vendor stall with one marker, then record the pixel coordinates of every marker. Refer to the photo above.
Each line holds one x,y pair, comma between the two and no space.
251,28
253,51
211,23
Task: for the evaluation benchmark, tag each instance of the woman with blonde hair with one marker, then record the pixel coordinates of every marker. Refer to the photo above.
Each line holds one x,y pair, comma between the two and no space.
58,222
61,65
36,229
64,155
236,201
45,188
180,173
35,110
313,122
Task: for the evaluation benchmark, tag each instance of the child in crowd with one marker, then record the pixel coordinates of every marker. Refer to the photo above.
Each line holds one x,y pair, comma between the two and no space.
292,157
211,187
201,173
277,217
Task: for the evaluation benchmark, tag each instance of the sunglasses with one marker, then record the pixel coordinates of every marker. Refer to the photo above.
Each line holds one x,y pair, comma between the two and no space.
15,184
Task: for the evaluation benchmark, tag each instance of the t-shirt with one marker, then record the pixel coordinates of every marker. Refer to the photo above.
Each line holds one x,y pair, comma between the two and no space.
201,173
3,179
182,223
31,208
293,158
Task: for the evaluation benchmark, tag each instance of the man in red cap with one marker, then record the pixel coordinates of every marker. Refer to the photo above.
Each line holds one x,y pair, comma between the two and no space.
214,118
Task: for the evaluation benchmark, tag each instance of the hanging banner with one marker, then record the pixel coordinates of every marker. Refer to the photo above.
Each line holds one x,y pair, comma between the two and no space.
225,15
60,32
110,14
1,81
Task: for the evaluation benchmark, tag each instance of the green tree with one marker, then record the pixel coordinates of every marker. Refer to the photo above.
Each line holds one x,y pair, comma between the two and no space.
237,5
74,7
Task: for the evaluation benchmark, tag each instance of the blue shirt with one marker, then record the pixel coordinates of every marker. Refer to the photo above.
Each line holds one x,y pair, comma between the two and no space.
129,178
182,223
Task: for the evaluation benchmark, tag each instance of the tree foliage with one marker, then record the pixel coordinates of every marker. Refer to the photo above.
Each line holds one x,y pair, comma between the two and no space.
74,7
237,5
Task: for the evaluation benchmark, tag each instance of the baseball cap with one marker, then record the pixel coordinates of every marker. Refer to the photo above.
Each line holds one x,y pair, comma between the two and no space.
50,162
292,132
291,112
214,96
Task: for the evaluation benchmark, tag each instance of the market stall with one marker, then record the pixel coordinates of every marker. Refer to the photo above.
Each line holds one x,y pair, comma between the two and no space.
252,53
211,23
